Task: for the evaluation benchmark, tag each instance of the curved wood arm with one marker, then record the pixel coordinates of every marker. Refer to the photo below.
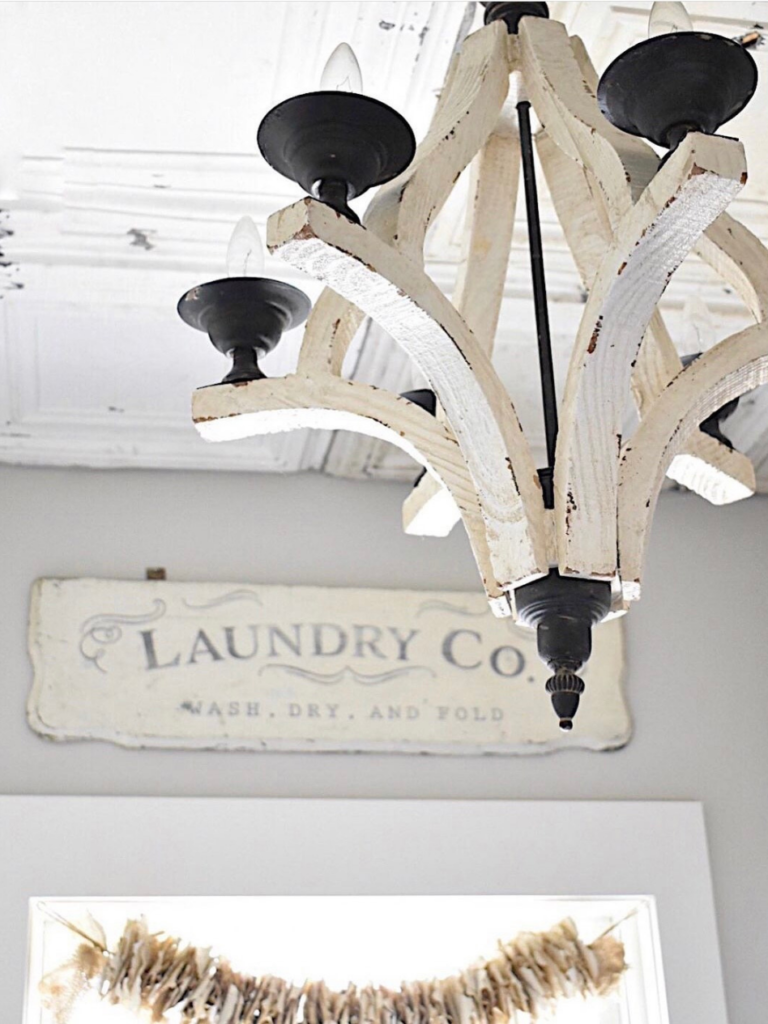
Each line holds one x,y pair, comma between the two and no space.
591,197
689,191
479,287
231,411
741,259
409,306
561,94
729,369
402,210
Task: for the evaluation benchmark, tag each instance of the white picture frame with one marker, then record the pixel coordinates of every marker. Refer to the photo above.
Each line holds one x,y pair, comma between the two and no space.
131,846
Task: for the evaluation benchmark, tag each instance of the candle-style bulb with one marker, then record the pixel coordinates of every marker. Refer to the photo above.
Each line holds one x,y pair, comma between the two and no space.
668,16
342,72
245,252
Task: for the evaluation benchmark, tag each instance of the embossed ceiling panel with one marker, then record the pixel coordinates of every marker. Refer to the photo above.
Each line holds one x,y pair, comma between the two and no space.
127,154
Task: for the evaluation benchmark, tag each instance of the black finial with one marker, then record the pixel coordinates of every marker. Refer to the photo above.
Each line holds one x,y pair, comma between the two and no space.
563,610
565,689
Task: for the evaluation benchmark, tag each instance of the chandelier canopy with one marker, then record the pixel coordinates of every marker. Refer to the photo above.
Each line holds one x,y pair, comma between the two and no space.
559,547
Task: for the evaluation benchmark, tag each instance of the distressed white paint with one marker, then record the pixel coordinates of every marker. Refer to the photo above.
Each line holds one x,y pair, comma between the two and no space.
82,172
650,241
203,665
405,302
730,369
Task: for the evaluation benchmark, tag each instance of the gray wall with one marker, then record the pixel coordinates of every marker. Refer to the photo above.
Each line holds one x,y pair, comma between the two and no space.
697,672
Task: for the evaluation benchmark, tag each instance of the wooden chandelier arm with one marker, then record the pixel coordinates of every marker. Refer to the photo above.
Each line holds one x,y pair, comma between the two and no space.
232,411
709,468
591,192
561,91
402,210
405,302
331,326
479,287
729,369
467,112
740,258
730,249
488,230
694,186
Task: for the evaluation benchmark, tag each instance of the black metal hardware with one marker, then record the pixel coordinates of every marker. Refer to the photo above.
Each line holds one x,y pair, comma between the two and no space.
673,84
336,145
423,397
511,13
563,610
244,317
427,400
546,364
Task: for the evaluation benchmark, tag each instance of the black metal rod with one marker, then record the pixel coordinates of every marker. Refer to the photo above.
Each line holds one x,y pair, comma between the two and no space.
546,366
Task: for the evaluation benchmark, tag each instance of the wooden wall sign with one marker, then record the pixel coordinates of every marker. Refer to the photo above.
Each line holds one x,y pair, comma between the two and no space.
211,665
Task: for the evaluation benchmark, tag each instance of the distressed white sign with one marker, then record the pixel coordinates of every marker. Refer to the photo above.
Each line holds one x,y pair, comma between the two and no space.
211,665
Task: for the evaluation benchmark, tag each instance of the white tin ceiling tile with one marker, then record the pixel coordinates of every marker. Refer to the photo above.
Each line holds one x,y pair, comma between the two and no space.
129,155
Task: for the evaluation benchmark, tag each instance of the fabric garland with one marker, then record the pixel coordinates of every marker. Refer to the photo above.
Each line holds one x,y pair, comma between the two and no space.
155,973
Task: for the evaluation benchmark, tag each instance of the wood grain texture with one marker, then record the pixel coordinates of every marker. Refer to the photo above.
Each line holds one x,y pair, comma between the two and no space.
589,200
467,112
480,285
429,510
729,369
688,192
741,259
405,302
401,211
231,411
707,467
562,96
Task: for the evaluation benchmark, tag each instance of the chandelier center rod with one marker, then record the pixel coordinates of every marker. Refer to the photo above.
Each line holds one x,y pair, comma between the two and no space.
546,365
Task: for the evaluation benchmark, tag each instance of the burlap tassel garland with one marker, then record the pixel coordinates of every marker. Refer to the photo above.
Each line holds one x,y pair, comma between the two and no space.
152,973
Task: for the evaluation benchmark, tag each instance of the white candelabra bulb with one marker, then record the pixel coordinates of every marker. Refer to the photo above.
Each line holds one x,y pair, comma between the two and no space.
245,252
342,72
668,16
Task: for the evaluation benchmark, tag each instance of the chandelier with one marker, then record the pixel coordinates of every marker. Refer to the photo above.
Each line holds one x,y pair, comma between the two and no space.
560,548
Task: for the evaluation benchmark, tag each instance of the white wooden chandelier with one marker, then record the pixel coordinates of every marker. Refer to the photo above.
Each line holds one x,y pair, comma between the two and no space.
560,548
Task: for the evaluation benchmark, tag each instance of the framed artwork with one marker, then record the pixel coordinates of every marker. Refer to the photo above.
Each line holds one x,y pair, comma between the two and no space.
365,890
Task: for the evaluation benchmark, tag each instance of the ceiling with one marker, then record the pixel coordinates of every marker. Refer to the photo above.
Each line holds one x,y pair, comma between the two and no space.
127,154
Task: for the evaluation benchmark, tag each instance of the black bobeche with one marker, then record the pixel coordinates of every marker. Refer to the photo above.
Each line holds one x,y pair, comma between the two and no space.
244,317
673,84
336,145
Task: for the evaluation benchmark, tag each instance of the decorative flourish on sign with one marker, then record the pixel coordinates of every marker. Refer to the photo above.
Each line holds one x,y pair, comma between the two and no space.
101,631
331,678
230,598
446,606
